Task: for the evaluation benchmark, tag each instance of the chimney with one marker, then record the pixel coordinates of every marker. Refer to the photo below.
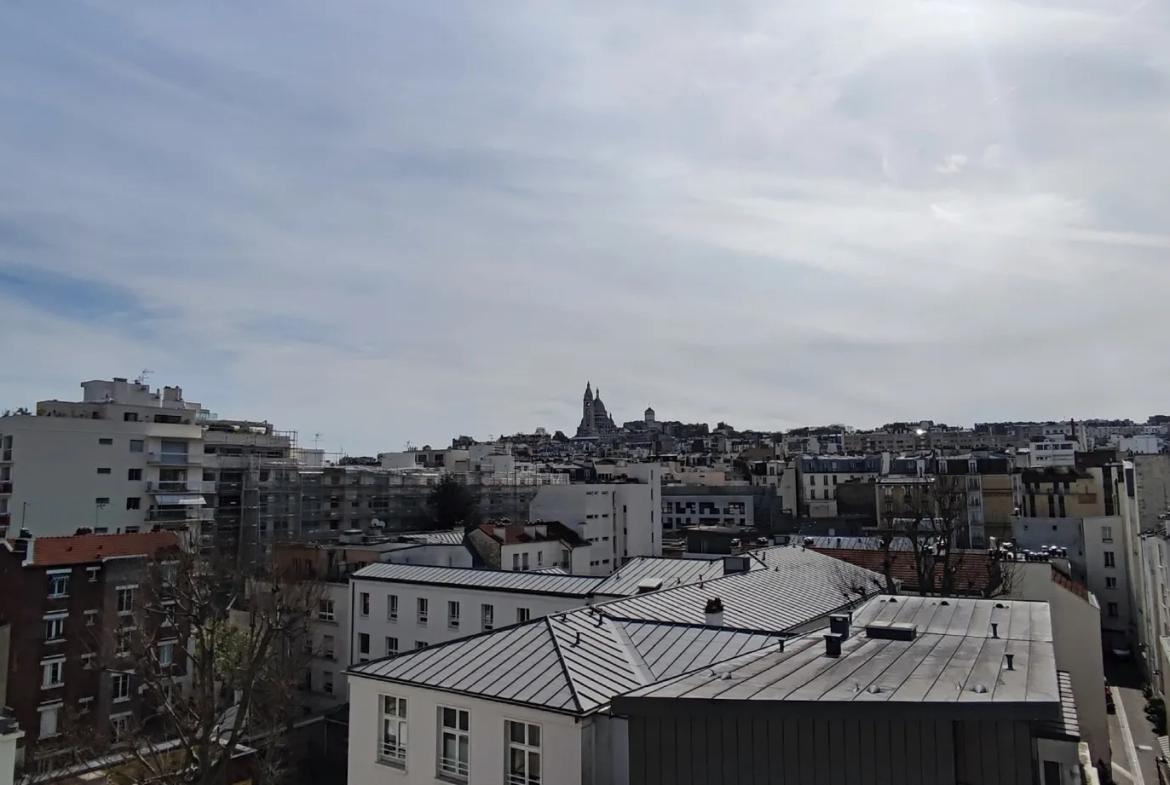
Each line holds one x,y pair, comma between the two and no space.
839,624
10,734
23,545
833,645
501,533
714,612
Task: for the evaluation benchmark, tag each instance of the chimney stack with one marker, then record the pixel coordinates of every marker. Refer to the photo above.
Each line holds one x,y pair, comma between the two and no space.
833,645
839,624
714,612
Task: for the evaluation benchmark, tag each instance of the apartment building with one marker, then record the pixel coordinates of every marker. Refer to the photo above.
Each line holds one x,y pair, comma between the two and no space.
65,600
120,460
531,546
819,477
620,520
912,690
530,703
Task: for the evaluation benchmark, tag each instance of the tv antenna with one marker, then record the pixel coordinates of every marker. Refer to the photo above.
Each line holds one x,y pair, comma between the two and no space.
316,438
146,372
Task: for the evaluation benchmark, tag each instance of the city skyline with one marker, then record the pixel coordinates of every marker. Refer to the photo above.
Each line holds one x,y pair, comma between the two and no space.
386,223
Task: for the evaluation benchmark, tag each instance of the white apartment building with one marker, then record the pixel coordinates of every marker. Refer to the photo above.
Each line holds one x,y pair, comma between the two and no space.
1056,451
619,520
329,641
530,704
120,460
536,545
399,607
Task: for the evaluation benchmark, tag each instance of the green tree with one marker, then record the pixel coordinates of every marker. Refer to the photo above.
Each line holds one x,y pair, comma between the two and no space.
452,505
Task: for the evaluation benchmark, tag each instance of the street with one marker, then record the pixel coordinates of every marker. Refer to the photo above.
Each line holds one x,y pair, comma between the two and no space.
1127,694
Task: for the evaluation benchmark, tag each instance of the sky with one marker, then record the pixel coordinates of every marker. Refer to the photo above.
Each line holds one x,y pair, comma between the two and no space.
381,222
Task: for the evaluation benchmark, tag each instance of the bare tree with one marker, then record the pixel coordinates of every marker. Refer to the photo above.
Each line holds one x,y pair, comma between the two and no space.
207,676
929,517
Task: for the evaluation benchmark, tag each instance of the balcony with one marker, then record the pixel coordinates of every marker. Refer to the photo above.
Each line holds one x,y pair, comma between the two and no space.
174,459
5,488
173,486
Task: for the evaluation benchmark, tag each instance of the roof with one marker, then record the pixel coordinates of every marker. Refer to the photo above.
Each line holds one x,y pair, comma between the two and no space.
573,662
454,537
1060,578
672,572
1067,726
797,587
90,548
872,543
954,661
551,571
509,533
484,579
973,576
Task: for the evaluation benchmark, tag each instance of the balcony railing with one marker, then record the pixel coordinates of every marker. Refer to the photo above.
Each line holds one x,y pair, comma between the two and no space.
174,458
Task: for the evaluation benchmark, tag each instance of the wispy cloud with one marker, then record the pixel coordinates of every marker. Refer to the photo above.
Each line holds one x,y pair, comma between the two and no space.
385,221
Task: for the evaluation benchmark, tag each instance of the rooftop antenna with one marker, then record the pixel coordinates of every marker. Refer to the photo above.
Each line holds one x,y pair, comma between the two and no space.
142,377
316,438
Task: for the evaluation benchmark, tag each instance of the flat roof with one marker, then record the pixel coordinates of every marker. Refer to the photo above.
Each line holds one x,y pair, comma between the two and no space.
954,666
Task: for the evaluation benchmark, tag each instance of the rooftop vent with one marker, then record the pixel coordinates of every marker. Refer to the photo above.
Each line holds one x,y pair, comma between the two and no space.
1008,658
832,645
994,630
734,564
649,584
839,624
891,631
980,689
873,689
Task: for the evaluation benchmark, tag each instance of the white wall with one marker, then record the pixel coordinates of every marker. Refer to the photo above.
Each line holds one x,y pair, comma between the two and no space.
55,462
1109,584
409,632
431,555
339,629
533,555
8,757
560,736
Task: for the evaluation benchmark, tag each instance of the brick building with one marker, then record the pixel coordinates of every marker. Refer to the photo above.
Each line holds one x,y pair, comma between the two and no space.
69,604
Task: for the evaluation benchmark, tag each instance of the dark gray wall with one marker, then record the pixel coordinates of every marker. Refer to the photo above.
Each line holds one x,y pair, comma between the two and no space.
719,750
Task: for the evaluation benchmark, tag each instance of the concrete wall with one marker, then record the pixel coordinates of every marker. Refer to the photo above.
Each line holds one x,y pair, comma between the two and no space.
561,737
1152,480
338,629
431,555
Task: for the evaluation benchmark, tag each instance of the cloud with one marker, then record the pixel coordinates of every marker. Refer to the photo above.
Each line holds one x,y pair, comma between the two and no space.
391,221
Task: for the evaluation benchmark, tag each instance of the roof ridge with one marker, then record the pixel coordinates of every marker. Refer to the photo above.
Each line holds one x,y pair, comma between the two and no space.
637,661
564,665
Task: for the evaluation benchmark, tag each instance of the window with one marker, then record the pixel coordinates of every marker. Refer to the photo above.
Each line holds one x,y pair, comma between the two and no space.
133,503
166,654
488,615
363,643
327,682
523,761
391,646
454,742
58,586
515,561
421,644
325,610
137,445
392,607
120,687
125,600
49,720
101,501
90,618
129,416
453,615
540,557
105,441
1110,582
92,572
104,470
120,726
1109,559
392,748
523,615
327,646
524,561
1112,608
422,611
55,627
1106,534
364,599
53,673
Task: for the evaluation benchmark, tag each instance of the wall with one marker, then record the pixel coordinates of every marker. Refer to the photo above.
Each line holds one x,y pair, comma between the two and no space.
561,743
1152,480
54,470
5,643
1077,644
539,555
407,629
339,628
605,750
724,748
432,555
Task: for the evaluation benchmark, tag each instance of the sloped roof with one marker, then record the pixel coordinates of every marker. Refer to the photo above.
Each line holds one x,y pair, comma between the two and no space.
513,533
573,662
490,580
973,576
453,537
90,548
672,572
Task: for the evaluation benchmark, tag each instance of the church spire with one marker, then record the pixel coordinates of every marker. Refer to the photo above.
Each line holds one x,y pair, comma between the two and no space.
588,392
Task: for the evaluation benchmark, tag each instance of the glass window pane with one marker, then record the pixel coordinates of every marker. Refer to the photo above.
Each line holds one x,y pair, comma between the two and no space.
516,732
464,743
464,720
534,766
448,718
534,735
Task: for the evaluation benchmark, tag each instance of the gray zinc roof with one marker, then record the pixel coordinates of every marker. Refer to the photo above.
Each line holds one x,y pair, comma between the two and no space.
454,537
797,587
672,572
573,662
488,580
955,659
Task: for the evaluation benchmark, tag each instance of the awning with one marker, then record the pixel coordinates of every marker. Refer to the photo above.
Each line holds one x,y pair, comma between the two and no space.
190,500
